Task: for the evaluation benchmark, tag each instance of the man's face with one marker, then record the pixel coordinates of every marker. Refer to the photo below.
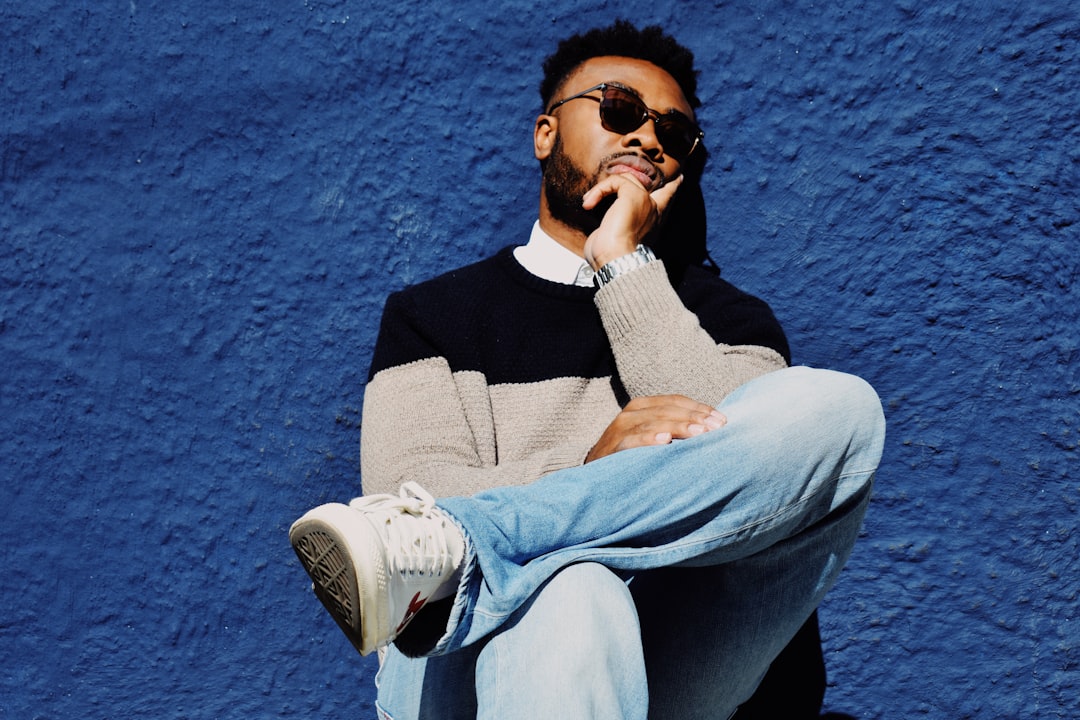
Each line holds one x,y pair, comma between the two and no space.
582,152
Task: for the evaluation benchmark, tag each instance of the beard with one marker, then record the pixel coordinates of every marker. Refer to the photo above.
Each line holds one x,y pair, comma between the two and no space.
565,184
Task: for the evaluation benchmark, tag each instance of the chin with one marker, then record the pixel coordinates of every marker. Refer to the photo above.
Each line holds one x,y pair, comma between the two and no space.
569,212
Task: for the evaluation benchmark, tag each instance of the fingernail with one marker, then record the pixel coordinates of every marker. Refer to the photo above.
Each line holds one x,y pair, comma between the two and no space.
713,423
696,429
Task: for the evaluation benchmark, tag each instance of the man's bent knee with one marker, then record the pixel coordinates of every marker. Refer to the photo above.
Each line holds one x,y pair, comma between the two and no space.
573,651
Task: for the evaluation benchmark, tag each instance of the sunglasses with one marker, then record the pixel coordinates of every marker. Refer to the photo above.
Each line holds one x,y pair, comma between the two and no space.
623,112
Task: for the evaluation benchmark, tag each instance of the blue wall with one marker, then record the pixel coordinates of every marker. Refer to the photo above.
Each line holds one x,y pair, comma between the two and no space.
203,206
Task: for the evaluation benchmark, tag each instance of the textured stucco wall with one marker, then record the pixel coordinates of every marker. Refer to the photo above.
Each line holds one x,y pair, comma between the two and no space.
203,206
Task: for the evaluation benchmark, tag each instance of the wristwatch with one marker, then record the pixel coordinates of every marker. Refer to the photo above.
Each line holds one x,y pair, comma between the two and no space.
622,265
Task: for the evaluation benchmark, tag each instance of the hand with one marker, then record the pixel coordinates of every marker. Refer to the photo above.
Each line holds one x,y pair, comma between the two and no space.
632,216
655,420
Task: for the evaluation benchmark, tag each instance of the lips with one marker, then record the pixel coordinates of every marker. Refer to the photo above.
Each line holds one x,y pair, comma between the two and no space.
638,167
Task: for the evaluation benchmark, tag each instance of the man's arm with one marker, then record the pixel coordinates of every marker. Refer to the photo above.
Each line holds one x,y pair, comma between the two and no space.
661,347
659,344
423,422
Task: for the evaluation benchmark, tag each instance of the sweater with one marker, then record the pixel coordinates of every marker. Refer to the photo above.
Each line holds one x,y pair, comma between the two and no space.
489,376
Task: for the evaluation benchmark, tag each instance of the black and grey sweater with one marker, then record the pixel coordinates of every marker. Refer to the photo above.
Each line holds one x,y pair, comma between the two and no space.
489,375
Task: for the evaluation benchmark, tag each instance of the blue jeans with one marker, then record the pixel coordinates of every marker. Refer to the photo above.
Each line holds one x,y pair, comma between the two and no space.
658,581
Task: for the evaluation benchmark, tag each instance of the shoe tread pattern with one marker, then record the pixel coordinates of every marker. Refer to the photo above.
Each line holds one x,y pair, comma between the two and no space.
333,578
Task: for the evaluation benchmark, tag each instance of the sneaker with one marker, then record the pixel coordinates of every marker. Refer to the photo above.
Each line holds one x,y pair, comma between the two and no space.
376,562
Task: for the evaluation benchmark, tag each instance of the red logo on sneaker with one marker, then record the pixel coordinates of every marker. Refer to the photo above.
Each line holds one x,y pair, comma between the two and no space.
415,605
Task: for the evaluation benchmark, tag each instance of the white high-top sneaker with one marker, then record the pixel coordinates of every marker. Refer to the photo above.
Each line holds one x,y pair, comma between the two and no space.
375,562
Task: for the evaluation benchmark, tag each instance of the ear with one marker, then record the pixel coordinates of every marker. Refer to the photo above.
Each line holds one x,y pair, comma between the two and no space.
544,133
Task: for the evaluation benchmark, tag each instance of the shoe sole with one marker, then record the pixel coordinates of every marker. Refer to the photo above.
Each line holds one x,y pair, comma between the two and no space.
322,540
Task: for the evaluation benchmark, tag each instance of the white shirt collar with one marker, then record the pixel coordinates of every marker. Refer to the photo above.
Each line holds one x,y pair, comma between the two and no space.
544,257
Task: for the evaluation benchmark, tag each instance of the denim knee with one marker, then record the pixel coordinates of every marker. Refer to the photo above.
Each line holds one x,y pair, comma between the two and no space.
587,606
844,398
573,651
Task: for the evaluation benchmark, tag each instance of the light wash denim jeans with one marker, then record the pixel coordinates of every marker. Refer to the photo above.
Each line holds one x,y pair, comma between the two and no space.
656,582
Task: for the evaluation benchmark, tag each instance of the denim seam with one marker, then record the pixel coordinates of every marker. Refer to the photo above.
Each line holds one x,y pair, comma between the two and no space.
786,510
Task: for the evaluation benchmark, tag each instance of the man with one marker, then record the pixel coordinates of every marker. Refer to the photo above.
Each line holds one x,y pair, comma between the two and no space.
639,505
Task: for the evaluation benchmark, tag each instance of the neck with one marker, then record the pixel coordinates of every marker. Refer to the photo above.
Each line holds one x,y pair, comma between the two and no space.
567,236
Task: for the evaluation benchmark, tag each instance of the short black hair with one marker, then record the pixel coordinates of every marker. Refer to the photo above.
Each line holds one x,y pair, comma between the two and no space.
621,39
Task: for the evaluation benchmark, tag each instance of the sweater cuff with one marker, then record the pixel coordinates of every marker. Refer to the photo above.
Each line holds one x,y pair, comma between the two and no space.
644,296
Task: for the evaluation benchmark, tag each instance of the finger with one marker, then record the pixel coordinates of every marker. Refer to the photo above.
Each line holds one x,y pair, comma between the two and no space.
714,420
611,185
681,427
680,418
674,403
644,439
663,195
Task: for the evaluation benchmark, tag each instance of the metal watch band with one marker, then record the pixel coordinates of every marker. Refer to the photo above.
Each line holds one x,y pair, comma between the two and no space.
642,255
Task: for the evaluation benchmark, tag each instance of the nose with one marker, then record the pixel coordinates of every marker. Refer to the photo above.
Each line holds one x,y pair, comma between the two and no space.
645,137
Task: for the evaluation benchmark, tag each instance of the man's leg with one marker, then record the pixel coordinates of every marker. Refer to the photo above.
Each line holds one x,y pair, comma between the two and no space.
799,445
435,688
575,652
794,685
572,651
710,633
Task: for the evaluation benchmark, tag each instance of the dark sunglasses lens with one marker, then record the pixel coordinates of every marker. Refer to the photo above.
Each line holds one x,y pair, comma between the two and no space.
620,111
677,134
623,113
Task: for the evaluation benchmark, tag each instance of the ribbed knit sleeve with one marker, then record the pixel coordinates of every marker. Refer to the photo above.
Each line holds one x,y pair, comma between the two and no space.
455,435
661,347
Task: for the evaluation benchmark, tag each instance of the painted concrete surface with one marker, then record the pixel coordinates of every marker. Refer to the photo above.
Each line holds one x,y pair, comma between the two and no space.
204,205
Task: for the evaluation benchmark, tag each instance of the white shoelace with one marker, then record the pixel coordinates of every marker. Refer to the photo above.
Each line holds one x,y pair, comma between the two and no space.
415,548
